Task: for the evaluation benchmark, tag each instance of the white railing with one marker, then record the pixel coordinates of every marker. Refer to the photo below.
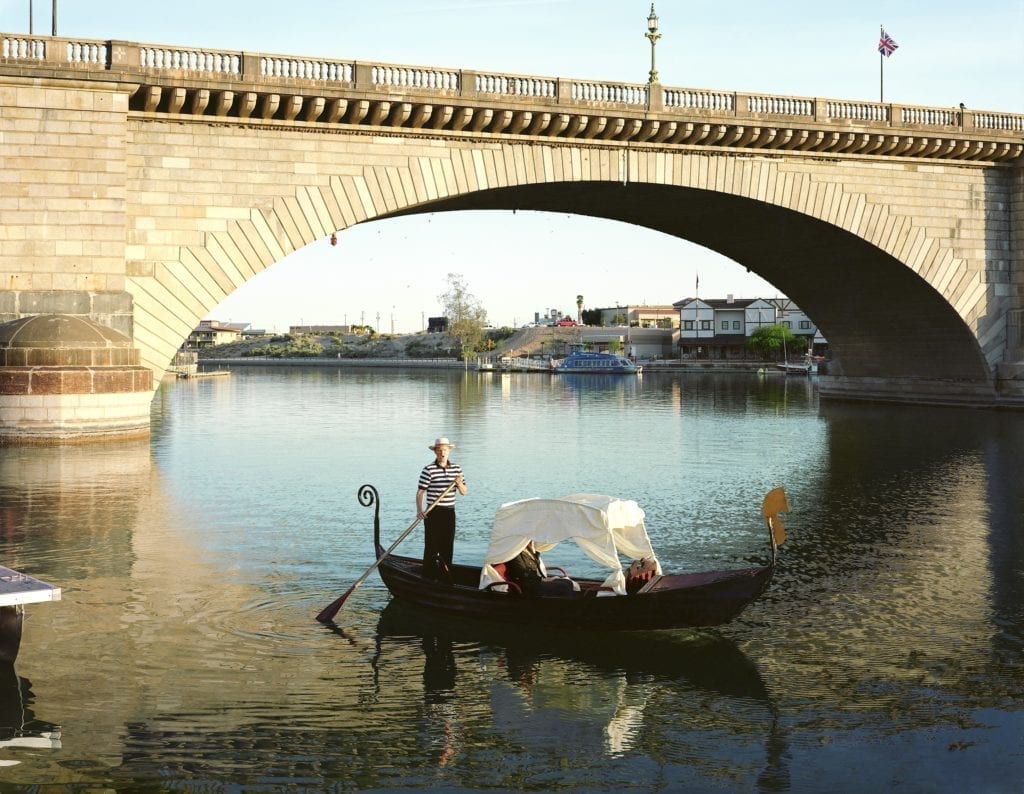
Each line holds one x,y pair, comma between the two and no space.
623,94
780,106
700,100
86,52
18,49
299,69
512,85
857,111
415,77
933,116
1005,122
53,52
202,61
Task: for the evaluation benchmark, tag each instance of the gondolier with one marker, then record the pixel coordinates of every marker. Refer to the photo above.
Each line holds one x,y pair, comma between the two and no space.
438,523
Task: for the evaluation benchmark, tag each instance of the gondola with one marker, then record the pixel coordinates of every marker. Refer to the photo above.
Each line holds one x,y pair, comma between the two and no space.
604,528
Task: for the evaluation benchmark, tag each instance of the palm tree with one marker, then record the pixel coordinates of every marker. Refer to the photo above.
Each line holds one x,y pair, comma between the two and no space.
579,309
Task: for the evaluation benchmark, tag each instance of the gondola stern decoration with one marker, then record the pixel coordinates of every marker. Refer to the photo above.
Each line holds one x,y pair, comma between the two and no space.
772,508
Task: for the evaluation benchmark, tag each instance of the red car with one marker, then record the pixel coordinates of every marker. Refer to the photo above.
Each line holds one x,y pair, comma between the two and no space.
566,322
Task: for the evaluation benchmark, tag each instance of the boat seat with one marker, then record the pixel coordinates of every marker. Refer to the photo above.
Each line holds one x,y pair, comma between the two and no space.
551,586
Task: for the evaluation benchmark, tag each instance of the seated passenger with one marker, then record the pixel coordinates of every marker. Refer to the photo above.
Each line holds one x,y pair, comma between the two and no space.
640,573
527,570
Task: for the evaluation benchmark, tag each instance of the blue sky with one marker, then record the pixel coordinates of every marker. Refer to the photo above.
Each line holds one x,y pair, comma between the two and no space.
949,52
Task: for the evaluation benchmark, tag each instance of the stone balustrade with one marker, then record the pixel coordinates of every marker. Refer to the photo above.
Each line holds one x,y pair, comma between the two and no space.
249,78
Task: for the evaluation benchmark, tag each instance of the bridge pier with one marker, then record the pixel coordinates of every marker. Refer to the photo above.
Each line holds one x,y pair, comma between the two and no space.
1007,393
66,378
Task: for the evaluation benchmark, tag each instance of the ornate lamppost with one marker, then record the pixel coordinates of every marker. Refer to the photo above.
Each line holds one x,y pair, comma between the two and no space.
652,35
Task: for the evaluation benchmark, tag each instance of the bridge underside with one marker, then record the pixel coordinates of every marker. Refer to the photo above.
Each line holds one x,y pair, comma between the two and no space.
881,319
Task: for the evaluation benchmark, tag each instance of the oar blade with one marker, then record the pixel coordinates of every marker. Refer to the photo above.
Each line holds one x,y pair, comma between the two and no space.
332,609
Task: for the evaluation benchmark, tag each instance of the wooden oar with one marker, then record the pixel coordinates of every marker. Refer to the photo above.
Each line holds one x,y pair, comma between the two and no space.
328,612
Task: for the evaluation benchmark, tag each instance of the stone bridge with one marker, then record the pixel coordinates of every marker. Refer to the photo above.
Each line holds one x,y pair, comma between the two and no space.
142,184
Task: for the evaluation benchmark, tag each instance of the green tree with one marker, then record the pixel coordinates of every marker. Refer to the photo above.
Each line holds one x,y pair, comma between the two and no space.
579,309
772,341
466,316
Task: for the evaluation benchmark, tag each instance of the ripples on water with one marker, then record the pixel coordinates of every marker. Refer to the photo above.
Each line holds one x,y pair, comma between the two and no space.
184,653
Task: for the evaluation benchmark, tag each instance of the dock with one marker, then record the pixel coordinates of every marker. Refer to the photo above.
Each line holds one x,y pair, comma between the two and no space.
16,590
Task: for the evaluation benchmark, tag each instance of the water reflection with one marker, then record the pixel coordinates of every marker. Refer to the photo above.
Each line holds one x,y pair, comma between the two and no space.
192,568
19,726
609,689
61,502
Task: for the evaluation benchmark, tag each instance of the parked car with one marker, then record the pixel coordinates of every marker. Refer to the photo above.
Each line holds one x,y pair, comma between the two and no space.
566,322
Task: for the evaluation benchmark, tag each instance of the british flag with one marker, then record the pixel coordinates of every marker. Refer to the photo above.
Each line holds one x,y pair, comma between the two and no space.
886,45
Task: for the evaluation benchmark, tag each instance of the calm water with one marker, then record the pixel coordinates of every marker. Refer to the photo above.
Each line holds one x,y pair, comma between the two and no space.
888,653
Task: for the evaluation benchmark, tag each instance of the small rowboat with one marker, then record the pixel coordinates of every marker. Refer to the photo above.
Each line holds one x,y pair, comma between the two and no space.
603,527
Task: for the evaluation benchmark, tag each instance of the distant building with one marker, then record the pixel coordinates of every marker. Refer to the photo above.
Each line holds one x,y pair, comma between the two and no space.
437,325
640,316
719,328
214,332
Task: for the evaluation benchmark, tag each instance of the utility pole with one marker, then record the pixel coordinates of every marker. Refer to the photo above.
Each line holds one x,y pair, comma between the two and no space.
54,17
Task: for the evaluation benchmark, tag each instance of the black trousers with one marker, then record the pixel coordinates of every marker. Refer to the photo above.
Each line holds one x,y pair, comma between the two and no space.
438,540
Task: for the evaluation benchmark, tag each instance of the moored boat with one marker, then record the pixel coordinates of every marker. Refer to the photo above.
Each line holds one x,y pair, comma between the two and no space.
583,362
603,527
792,368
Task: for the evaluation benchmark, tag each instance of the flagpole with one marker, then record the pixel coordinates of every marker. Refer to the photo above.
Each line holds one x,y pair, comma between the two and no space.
881,69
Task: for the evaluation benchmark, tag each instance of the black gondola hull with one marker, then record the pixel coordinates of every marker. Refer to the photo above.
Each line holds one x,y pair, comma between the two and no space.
671,602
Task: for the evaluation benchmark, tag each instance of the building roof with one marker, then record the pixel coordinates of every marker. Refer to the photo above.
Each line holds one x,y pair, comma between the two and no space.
719,303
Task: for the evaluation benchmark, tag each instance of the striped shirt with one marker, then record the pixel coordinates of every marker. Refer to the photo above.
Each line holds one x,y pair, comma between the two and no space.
434,479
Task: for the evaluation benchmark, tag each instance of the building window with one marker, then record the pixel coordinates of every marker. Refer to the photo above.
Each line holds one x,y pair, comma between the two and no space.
787,324
735,325
805,324
687,325
705,325
725,325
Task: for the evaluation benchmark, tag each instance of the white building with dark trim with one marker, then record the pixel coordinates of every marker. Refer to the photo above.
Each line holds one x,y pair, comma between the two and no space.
720,328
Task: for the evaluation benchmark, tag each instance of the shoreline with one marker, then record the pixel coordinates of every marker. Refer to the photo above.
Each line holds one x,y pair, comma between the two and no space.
446,363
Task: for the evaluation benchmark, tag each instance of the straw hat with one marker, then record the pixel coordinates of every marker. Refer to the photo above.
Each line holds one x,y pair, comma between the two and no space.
441,442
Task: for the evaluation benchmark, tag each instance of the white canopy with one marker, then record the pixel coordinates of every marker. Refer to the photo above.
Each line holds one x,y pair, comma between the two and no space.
602,526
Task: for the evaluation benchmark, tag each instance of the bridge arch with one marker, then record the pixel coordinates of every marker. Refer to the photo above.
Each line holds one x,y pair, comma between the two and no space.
894,297
151,182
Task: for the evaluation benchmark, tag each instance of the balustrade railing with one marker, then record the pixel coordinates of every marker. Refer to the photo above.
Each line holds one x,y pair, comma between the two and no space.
21,49
700,100
303,69
619,93
857,111
932,116
209,62
415,77
516,85
780,105
126,57
87,52
1005,122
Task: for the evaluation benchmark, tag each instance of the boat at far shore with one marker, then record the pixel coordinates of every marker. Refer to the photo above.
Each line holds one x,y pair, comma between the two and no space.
793,368
583,362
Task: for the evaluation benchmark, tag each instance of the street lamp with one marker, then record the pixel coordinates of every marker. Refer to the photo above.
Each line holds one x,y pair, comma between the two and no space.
653,36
